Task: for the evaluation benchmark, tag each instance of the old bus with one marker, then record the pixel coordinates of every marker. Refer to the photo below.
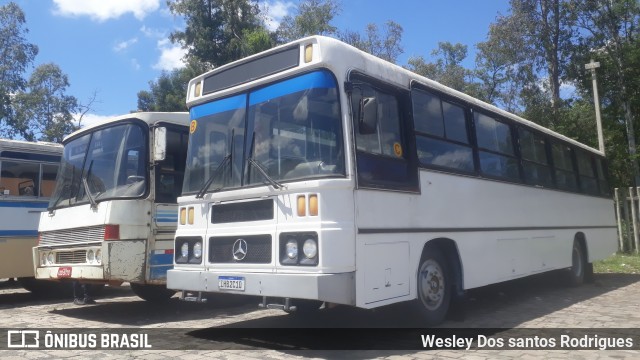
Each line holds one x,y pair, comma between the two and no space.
319,173
28,176
113,215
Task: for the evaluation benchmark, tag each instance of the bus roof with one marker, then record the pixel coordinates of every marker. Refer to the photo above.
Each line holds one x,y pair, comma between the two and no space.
43,147
178,118
353,59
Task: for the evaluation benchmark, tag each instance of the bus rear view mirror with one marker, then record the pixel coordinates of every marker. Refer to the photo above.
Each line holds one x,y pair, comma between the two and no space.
159,144
368,120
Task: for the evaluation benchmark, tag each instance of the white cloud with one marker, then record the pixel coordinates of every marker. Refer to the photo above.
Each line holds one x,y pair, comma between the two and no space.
275,11
102,10
171,56
152,33
124,44
135,64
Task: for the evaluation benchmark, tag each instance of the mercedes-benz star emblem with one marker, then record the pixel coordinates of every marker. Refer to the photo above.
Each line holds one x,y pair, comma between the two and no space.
239,249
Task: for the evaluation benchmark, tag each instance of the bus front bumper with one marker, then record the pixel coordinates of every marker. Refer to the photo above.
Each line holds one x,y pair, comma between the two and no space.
336,288
77,272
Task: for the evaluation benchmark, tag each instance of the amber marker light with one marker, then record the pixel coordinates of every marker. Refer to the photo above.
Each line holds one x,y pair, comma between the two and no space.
308,53
183,216
190,215
302,205
313,205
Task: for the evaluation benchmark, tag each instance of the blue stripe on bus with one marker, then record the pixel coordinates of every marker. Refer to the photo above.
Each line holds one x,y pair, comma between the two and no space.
314,80
161,259
218,106
18,232
24,204
168,220
159,272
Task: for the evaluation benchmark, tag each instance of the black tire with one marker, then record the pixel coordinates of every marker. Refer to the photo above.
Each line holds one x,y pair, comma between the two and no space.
433,286
577,272
152,293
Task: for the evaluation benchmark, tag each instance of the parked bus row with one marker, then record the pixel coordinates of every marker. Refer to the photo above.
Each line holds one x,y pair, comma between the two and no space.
316,173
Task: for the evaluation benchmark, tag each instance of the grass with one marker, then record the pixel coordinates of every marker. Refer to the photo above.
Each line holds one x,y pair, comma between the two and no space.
620,263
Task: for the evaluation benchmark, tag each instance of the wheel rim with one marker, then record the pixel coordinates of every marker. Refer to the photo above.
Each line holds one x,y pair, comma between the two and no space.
431,284
576,260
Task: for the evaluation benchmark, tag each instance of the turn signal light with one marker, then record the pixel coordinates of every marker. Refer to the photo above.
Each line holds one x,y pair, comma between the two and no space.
190,215
302,205
183,216
313,205
308,53
112,232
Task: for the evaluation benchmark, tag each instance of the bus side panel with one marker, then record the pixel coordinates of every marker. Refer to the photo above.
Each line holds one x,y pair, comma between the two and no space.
161,243
18,236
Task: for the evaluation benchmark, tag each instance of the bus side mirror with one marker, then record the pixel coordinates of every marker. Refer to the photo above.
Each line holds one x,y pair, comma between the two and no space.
159,144
368,119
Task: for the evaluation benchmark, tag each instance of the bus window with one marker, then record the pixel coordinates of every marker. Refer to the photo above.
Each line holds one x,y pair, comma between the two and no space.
534,159
48,181
605,187
565,175
170,171
441,133
20,178
586,171
497,156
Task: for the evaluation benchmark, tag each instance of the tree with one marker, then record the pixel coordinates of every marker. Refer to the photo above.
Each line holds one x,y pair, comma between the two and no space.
313,17
45,112
16,54
169,91
217,31
610,33
386,45
447,68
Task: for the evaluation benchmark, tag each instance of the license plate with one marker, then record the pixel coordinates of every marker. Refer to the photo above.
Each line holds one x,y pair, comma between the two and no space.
231,283
64,272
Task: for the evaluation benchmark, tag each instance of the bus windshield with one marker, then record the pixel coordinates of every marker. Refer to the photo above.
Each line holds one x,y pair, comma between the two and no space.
286,131
109,163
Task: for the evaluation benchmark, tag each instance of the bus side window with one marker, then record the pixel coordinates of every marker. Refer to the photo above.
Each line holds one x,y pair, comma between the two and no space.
564,170
170,171
496,151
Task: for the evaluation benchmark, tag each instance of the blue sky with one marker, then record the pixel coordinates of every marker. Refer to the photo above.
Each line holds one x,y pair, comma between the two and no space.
115,47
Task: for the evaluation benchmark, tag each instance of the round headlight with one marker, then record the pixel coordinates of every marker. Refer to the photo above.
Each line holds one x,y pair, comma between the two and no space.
310,248
184,250
90,256
50,258
98,256
292,249
197,250
43,259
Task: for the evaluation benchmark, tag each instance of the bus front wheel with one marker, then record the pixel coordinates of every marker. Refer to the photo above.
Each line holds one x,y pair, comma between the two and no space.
152,293
434,286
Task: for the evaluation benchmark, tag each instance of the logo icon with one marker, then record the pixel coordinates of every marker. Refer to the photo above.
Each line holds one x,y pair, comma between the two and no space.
240,249
24,339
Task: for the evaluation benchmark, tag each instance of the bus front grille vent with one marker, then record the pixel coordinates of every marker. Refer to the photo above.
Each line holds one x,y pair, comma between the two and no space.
71,257
252,249
72,236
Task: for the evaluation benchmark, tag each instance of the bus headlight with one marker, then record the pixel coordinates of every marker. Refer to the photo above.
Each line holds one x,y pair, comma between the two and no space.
310,248
43,259
91,257
50,258
292,249
98,256
197,250
184,250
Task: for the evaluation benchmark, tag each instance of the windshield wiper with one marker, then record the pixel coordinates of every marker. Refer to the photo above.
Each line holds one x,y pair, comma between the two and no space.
215,174
85,183
271,180
254,163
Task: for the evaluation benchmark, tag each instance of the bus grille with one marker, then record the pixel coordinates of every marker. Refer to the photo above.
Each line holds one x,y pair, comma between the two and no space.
72,236
71,257
258,249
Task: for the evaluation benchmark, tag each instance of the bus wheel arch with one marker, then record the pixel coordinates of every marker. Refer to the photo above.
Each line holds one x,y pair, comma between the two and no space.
438,279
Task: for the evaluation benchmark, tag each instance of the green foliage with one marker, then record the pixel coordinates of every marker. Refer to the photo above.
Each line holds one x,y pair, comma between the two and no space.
45,112
16,55
386,45
619,263
313,17
169,92
447,68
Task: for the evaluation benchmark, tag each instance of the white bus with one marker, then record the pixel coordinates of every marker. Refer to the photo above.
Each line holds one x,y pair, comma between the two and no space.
28,175
319,173
113,213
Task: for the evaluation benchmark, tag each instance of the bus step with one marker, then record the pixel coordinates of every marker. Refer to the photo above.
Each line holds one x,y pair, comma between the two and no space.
191,297
286,306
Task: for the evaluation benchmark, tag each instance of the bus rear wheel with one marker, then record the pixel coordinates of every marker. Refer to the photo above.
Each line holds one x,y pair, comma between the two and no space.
578,269
434,287
152,293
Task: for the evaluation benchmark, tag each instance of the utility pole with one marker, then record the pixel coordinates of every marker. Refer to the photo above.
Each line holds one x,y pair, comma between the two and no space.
593,65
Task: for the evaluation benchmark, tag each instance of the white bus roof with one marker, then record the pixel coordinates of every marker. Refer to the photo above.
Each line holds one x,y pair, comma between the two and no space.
178,118
343,58
31,146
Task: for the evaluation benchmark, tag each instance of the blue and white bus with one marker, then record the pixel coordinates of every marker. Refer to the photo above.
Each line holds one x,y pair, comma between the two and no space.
319,173
28,175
